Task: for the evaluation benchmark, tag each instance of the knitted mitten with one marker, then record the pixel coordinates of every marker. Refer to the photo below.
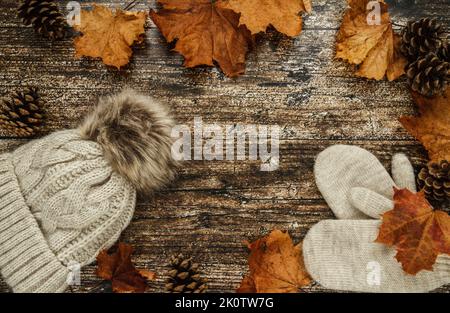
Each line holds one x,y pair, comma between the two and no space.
340,168
342,254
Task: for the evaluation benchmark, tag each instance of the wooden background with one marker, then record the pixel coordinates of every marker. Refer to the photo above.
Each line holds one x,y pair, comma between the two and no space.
214,206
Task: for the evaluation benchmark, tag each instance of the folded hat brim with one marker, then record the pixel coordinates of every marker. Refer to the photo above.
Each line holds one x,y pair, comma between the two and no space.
26,262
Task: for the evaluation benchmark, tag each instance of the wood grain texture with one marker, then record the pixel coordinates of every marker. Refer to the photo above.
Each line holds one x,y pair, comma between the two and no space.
214,206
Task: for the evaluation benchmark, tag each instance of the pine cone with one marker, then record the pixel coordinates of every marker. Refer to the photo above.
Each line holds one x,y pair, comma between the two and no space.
428,75
435,181
22,114
45,17
421,37
444,52
184,276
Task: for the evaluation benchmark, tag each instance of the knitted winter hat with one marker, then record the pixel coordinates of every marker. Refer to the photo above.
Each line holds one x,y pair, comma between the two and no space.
67,196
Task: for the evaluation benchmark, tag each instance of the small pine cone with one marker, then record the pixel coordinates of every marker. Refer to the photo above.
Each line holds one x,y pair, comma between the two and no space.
22,114
428,75
435,181
184,276
45,17
421,37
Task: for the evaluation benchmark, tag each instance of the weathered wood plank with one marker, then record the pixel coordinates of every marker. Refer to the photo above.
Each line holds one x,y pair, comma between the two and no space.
214,206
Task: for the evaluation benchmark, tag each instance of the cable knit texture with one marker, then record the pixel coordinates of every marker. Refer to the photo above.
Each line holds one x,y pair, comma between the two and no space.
60,201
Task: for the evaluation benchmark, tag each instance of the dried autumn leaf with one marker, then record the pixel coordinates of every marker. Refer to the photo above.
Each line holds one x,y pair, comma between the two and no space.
247,285
375,48
432,126
108,35
147,274
118,268
206,32
419,232
284,16
276,266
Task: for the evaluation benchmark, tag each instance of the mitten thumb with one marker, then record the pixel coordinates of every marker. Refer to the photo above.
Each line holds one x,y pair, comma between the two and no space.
403,172
370,202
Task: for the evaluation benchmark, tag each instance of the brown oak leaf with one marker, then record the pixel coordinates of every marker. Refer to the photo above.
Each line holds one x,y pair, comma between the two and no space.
419,233
276,266
206,32
119,269
373,46
432,126
284,15
108,35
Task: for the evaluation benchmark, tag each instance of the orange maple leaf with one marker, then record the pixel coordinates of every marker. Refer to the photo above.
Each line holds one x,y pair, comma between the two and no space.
118,268
276,266
432,127
108,35
374,47
206,32
284,15
419,233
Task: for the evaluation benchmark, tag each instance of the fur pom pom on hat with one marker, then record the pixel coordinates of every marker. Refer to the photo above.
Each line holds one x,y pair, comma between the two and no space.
135,133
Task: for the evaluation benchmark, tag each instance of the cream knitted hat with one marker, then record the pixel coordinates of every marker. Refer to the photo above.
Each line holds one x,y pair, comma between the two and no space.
69,195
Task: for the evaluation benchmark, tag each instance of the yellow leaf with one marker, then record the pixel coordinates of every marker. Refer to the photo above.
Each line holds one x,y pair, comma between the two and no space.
432,126
372,45
276,266
284,15
108,35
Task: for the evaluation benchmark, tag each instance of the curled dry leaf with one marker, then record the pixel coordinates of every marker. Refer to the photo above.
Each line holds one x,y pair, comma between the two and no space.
276,266
374,47
108,35
118,268
419,232
432,126
206,32
284,15
150,276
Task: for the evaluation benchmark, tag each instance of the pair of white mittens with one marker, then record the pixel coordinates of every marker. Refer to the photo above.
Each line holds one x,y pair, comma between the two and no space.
342,254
